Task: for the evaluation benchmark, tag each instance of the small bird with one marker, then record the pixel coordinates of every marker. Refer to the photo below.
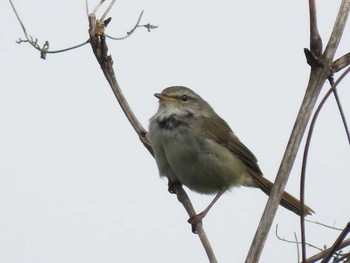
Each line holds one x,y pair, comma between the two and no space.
194,146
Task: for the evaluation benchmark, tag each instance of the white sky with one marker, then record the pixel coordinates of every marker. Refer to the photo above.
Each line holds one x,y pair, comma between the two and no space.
76,185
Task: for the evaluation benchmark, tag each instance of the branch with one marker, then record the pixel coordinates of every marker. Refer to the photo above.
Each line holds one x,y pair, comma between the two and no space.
342,114
324,225
327,63
44,50
322,254
293,241
137,25
305,155
318,76
337,243
34,41
185,201
100,49
315,38
341,63
337,32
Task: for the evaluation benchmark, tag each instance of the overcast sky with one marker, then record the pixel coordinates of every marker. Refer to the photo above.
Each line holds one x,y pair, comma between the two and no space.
76,185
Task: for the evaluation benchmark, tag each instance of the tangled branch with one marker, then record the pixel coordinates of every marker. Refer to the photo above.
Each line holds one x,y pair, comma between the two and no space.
44,49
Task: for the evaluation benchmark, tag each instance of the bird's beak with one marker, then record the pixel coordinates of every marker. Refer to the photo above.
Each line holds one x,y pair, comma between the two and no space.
162,97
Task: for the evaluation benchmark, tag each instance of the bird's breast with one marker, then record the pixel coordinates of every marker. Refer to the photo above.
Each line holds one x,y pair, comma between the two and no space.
198,162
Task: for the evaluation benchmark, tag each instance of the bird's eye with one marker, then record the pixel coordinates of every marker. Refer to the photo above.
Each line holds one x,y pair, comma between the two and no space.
184,98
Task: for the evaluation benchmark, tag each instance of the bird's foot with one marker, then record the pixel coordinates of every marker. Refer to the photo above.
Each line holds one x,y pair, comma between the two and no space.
195,220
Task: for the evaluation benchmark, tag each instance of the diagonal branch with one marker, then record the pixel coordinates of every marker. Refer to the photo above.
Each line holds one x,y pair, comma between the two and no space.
337,243
97,40
318,76
100,49
323,253
337,32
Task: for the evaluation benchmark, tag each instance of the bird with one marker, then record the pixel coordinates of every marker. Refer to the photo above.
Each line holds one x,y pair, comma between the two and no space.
195,147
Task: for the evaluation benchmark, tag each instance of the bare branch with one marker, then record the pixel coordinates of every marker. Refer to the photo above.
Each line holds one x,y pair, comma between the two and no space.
137,25
305,157
107,10
341,111
315,38
44,50
185,201
317,79
324,251
322,254
97,7
342,258
294,241
337,32
337,243
100,49
341,63
34,41
325,225
342,114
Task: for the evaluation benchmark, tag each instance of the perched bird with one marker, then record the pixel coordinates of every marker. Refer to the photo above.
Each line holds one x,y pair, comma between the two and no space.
194,146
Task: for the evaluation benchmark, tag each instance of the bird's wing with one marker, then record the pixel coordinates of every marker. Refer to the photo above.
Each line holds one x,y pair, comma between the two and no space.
218,130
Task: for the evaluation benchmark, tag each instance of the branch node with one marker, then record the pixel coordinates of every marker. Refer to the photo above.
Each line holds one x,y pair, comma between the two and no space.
44,49
150,27
312,59
106,22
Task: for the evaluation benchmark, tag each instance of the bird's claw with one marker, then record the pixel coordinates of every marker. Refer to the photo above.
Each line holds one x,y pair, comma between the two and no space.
195,220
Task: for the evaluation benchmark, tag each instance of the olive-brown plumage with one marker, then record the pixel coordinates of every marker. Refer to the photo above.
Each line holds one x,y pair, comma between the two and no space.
194,146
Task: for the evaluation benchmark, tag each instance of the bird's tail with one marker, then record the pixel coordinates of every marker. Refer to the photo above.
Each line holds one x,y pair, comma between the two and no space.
288,201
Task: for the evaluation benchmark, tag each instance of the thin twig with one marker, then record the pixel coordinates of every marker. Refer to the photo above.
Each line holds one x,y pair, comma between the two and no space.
342,258
131,31
20,21
294,242
297,245
97,7
306,153
337,243
34,42
322,224
342,114
137,25
45,48
107,10
322,254
319,255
